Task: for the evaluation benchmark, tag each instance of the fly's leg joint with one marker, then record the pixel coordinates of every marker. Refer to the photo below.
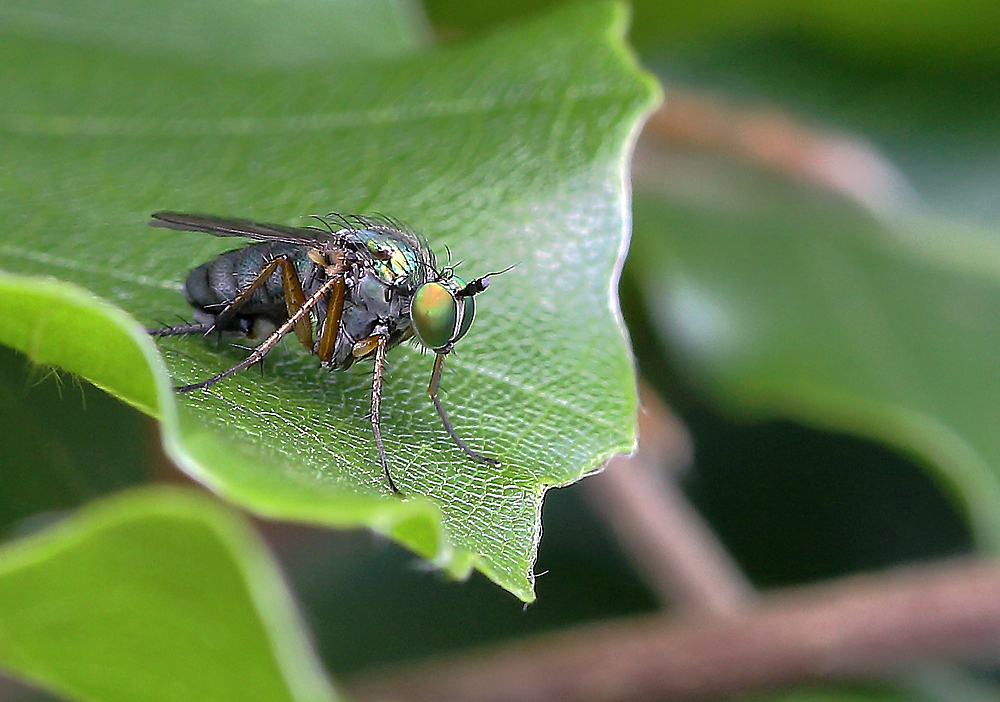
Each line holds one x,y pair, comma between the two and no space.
317,257
365,346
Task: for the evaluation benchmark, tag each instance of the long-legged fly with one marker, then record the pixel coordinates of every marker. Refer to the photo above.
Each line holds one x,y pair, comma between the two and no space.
353,289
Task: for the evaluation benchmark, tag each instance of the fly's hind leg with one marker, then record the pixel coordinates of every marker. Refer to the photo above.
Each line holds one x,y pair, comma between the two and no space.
294,299
301,314
183,329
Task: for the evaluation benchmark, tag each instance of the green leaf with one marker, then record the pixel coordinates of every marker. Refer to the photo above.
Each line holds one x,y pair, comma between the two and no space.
57,324
157,594
230,33
510,149
784,303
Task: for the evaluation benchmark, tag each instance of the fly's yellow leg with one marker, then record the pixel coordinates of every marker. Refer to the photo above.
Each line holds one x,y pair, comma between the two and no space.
334,308
294,299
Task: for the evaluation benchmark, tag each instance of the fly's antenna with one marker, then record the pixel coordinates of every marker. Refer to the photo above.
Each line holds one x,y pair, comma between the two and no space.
508,268
481,283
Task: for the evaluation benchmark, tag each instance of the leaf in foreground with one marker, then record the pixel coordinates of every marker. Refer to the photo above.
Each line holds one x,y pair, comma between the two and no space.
158,594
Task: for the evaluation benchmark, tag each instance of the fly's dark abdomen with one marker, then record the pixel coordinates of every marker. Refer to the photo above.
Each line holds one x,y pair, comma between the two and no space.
212,286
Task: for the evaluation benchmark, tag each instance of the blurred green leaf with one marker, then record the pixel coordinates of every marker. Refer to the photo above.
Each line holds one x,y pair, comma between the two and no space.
917,79
932,32
834,694
158,594
783,302
509,149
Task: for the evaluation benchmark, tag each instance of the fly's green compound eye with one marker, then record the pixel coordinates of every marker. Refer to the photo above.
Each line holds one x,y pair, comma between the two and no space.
468,310
434,313
467,316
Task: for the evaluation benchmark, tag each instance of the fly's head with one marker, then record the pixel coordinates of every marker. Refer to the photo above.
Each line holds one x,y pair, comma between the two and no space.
442,310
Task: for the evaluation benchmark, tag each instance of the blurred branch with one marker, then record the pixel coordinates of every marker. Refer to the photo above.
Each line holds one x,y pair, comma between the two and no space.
668,540
857,627
776,141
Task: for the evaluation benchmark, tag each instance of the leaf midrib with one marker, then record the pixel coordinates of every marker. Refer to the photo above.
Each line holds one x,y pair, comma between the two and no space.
75,125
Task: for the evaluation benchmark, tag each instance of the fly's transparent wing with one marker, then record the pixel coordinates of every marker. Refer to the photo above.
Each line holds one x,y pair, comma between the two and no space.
233,226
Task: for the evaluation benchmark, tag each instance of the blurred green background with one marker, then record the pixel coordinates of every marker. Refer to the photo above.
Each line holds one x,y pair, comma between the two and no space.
797,489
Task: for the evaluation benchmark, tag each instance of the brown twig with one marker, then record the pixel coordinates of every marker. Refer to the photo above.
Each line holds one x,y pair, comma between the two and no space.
774,140
668,540
857,627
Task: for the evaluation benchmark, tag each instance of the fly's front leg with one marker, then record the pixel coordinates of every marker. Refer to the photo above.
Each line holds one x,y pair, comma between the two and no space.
432,390
379,344
333,262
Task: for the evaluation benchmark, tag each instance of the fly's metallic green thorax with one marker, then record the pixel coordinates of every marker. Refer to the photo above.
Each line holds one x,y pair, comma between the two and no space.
397,256
353,289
